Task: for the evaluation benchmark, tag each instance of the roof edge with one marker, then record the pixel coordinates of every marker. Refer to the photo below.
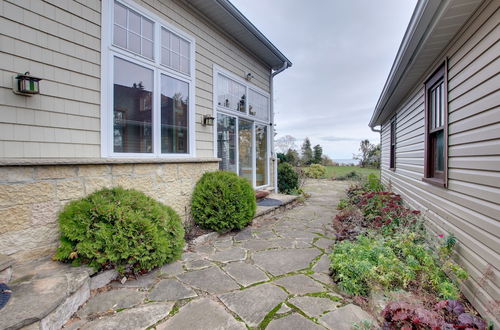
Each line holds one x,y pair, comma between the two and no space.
231,9
409,36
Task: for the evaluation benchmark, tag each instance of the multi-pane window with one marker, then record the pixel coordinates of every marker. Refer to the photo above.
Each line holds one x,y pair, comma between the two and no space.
133,31
392,160
243,128
175,51
151,104
436,127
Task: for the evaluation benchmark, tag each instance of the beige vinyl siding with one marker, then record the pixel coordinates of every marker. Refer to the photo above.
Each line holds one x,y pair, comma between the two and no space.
470,206
59,41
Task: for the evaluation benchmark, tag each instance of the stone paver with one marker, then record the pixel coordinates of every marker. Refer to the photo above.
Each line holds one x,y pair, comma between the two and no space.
299,284
279,262
111,300
253,304
225,256
202,314
135,318
245,274
314,306
236,280
293,322
211,280
170,290
344,318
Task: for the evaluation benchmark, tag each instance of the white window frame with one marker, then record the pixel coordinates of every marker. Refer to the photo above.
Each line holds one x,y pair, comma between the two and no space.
243,115
110,51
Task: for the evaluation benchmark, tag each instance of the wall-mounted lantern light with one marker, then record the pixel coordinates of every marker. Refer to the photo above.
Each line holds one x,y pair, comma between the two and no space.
249,76
207,120
26,84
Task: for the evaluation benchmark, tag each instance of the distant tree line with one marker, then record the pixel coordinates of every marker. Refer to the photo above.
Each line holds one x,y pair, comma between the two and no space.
308,155
369,154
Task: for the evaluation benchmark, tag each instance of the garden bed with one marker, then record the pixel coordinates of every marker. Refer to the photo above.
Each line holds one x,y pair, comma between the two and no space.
385,260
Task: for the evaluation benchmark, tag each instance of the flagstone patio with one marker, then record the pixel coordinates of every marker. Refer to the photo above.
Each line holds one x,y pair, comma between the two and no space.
273,274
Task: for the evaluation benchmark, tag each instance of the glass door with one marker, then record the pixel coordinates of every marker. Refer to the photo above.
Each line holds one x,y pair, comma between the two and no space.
245,149
226,142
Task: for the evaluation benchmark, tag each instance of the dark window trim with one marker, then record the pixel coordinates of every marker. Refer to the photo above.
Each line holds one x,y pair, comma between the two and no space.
431,176
392,144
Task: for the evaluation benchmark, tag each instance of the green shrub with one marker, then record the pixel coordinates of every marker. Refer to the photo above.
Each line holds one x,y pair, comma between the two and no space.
351,176
391,263
119,228
288,179
222,201
315,171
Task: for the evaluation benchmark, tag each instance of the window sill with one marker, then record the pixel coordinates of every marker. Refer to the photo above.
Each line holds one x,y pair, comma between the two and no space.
392,169
102,161
435,182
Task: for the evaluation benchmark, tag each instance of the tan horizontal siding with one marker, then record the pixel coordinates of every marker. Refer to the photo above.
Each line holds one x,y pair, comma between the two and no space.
470,206
60,41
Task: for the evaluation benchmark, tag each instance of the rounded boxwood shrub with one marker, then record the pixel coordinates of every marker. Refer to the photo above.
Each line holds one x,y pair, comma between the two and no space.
222,201
288,178
315,171
119,228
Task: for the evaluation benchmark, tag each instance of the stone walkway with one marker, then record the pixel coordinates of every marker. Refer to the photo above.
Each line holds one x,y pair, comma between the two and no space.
271,275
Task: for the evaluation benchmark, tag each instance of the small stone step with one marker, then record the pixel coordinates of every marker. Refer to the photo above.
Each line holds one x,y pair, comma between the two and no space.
46,293
5,262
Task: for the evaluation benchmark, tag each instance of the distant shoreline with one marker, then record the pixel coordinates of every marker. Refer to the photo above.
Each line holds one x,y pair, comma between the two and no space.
346,161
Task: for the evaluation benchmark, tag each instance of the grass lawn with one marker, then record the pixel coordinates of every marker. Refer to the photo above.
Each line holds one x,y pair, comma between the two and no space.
336,171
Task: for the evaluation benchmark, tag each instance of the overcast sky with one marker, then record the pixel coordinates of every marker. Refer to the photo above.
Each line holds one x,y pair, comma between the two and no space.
342,51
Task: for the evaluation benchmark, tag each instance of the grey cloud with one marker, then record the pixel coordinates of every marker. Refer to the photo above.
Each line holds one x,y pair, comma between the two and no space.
342,51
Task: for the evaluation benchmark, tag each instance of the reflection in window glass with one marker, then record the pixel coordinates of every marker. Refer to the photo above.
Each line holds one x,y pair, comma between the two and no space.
230,94
226,142
439,147
132,31
175,51
174,115
261,155
258,105
133,107
245,141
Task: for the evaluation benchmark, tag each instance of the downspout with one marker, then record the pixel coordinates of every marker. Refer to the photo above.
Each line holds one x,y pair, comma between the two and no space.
274,157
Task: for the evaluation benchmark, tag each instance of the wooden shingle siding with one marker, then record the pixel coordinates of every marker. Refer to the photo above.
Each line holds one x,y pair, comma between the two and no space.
60,41
470,207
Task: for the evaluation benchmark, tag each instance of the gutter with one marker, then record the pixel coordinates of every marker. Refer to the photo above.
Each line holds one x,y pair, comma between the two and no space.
274,158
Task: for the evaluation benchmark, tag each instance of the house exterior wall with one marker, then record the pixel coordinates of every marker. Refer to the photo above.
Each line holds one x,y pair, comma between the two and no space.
60,41
470,206
50,144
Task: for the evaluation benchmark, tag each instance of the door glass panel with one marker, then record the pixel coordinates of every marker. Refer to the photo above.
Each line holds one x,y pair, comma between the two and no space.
132,114
261,155
245,149
226,142
174,115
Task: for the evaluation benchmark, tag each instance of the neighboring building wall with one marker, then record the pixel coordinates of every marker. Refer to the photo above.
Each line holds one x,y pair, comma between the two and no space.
470,207
60,42
32,196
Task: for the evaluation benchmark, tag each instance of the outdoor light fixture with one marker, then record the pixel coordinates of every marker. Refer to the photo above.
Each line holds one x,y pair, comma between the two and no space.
249,76
25,84
207,120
